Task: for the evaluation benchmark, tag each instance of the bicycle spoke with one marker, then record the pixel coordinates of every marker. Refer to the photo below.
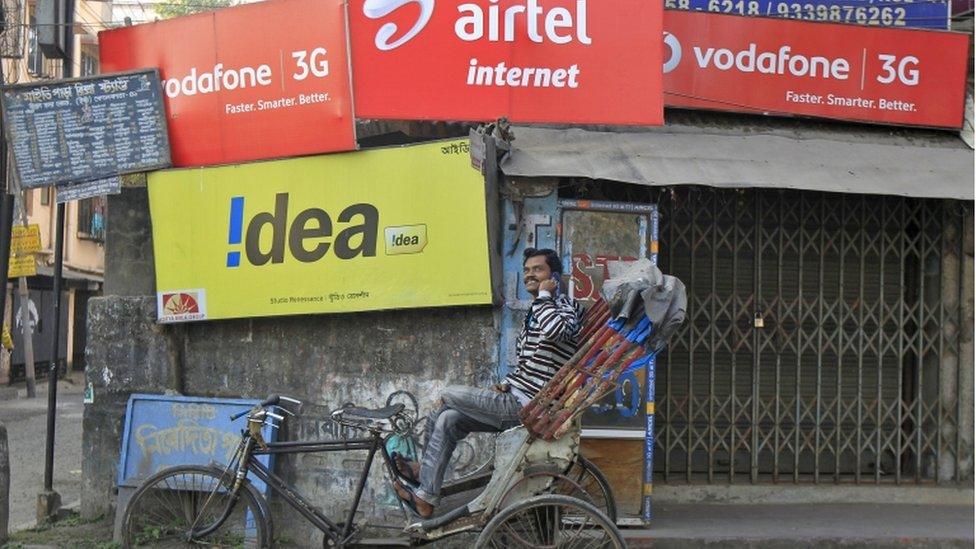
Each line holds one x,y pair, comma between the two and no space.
182,509
551,521
557,519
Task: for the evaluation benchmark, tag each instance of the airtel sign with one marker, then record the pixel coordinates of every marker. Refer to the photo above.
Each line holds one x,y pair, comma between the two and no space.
559,61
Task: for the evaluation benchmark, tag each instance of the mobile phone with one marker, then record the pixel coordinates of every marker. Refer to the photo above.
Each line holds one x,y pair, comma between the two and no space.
559,283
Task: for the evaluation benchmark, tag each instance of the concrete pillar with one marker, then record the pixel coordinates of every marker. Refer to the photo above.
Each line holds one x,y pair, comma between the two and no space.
70,343
125,352
931,391
129,264
956,366
966,351
949,363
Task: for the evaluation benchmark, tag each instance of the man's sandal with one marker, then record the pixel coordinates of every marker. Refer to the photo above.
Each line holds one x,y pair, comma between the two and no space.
409,498
405,468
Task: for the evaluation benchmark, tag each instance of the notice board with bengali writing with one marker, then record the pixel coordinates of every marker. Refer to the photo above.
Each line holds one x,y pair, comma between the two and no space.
86,128
163,431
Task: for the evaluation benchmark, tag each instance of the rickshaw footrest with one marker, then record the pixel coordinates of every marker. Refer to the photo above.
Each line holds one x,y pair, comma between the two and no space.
446,518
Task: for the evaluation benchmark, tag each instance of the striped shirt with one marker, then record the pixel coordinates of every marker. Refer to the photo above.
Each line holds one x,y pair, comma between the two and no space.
548,340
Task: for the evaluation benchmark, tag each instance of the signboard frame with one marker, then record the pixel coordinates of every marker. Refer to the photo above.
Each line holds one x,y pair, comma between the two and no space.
221,249
123,479
450,65
287,88
89,189
159,109
697,39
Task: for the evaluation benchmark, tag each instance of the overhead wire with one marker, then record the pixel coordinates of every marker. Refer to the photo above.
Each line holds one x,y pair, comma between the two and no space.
721,102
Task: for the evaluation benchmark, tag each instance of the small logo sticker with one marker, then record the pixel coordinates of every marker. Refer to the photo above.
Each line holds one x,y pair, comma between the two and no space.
181,305
406,239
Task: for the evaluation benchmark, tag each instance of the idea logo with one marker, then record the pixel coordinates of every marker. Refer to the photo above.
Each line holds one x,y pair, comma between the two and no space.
306,236
310,235
407,239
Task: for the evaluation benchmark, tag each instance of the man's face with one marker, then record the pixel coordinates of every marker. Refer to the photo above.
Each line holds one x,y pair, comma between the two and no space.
534,271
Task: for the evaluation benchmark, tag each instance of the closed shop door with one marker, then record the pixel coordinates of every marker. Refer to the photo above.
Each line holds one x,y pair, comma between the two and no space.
822,338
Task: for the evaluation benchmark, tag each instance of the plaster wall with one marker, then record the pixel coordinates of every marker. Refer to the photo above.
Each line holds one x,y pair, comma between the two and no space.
323,360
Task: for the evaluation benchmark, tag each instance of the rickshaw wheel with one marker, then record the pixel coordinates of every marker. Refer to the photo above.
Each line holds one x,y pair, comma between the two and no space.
590,479
561,485
550,521
583,480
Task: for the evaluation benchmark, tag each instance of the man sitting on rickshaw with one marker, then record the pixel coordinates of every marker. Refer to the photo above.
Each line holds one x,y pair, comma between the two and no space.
548,339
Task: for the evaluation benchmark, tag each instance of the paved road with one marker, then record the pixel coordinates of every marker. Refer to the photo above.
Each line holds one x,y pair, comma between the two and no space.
26,422
847,525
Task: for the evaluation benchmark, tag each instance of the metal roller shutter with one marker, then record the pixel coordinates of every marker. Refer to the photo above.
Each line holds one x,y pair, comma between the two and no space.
816,326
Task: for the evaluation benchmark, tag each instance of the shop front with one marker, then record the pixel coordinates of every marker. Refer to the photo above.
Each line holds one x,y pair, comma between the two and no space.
825,341
828,266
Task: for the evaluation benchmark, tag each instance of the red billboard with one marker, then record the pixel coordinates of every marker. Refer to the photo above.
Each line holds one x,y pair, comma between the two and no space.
556,61
847,72
251,82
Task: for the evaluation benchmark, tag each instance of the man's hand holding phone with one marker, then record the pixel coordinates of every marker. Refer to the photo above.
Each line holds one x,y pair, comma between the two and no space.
550,285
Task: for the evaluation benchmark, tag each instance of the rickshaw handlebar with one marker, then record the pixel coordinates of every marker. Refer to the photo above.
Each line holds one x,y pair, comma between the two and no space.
273,400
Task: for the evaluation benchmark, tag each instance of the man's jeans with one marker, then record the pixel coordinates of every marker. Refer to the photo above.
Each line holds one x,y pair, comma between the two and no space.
464,410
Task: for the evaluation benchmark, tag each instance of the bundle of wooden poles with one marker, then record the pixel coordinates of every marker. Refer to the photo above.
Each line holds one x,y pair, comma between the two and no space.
609,347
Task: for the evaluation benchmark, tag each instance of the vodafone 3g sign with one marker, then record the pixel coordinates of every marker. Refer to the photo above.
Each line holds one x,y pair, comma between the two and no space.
849,72
257,81
557,61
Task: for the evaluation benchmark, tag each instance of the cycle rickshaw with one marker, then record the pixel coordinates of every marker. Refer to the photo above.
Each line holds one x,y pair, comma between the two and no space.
536,492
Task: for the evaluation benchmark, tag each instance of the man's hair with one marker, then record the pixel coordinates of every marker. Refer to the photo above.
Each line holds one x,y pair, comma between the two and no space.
552,258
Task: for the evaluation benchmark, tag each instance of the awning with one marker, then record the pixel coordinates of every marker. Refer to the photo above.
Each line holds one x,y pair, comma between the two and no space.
70,274
930,165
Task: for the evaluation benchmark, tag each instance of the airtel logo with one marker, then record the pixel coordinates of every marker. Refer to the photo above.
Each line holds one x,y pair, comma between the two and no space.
490,22
377,9
671,41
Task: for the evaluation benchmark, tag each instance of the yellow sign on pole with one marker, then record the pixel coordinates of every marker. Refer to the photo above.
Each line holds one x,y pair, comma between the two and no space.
25,240
383,229
22,265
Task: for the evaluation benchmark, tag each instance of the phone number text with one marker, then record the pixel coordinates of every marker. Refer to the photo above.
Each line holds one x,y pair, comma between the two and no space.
886,14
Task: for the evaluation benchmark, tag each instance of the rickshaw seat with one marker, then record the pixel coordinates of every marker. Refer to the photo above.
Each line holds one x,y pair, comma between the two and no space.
386,412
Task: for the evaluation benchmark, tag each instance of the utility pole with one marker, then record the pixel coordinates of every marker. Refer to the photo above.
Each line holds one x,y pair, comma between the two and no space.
5,251
6,206
25,318
49,501
6,196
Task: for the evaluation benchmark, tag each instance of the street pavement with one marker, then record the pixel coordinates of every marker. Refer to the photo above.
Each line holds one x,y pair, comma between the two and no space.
716,526
847,525
26,422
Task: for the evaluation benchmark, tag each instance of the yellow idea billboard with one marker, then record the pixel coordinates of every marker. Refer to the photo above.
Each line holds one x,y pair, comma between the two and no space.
382,229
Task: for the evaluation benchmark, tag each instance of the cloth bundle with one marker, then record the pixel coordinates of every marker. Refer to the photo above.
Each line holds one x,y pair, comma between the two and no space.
639,309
